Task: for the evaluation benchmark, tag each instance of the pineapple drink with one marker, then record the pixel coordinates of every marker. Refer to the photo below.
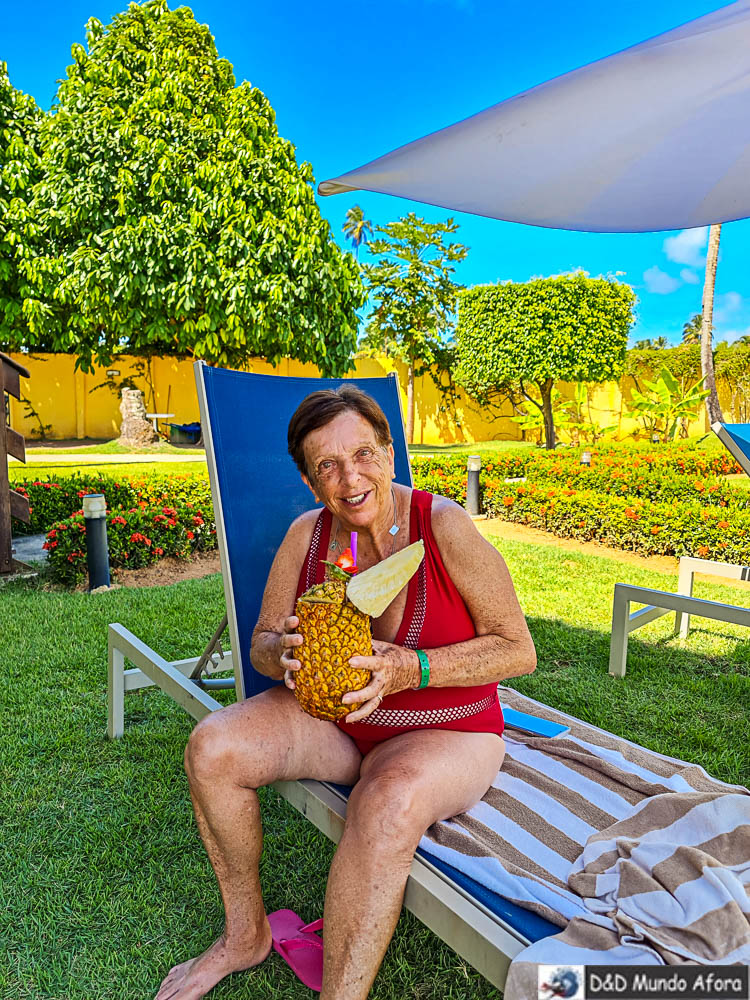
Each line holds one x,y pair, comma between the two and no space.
334,622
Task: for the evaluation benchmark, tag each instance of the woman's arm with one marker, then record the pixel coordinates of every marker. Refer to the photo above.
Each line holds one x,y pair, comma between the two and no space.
271,636
503,646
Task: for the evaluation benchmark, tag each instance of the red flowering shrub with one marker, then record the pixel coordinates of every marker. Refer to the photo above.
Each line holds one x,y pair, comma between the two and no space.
645,526
147,518
136,537
55,499
635,475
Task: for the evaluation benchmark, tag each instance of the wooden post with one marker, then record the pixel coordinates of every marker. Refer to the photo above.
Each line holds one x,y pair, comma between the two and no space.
12,504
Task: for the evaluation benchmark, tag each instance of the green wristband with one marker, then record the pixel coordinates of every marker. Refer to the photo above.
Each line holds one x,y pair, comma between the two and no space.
424,663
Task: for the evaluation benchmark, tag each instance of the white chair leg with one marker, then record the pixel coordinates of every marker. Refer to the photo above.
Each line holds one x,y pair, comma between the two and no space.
684,586
618,643
115,691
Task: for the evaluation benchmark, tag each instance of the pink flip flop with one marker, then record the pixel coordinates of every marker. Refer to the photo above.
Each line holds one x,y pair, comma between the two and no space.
301,949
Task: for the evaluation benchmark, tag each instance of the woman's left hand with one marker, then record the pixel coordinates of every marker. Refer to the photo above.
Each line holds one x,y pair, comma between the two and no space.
393,668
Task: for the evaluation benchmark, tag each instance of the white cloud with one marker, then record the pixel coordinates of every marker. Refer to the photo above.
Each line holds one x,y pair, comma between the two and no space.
687,247
689,277
731,335
729,302
659,282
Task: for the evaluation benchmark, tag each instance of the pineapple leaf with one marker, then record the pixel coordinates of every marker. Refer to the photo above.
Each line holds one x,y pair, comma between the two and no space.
334,572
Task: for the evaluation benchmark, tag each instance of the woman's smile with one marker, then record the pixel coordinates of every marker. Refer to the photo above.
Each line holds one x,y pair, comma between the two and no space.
358,500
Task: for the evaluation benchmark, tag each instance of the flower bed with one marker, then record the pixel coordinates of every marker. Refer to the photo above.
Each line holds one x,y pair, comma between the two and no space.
53,500
671,500
136,536
147,517
651,482
675,458
679,528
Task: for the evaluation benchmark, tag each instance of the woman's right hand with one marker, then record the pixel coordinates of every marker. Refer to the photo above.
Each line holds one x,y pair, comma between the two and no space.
290,639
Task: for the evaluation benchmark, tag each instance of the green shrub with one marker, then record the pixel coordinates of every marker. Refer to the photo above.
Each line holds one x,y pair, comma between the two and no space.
136,537
55,499
447,475
650,480
680,528
52,500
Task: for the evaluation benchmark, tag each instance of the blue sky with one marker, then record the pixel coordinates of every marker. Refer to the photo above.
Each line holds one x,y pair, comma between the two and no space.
352,80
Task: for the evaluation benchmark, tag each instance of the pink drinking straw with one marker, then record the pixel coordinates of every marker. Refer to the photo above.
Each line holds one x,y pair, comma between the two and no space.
353,546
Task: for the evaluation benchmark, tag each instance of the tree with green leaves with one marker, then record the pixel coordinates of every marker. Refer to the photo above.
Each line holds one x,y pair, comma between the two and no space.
20,120
653,344
357,228
175,218
413,294
523,337
691,331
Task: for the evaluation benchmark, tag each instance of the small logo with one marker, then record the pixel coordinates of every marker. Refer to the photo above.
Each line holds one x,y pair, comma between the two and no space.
561,981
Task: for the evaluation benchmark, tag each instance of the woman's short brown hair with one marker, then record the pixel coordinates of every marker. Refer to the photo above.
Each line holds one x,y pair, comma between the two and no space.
320,408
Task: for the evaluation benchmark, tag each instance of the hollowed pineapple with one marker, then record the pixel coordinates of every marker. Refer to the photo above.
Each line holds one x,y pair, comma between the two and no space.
334,622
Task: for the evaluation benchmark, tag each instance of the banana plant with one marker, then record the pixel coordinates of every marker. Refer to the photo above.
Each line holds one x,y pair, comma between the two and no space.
577,425
668,403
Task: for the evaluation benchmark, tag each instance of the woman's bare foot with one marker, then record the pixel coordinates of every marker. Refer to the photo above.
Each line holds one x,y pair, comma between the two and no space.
195,978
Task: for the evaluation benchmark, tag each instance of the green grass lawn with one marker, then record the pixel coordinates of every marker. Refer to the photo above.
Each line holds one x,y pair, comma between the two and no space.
467,449
105,883
39,469
108,448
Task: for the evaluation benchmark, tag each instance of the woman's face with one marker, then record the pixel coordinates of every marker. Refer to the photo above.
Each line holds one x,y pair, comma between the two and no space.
348,470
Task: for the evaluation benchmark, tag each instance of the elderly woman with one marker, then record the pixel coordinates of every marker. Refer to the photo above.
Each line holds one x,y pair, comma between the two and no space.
424,745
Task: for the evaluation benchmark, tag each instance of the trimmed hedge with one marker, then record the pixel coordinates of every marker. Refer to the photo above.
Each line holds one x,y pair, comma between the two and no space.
52,500
136,536
675,458
658,483
625,522
55,499
669,500
147,518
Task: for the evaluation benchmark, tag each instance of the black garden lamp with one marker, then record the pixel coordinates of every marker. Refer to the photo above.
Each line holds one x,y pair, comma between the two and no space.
473,467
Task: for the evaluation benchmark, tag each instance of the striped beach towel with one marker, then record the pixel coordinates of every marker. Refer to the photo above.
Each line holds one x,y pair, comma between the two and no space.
640,857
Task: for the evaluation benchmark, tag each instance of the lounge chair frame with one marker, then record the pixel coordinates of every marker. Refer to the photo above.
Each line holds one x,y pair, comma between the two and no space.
683,604
658,603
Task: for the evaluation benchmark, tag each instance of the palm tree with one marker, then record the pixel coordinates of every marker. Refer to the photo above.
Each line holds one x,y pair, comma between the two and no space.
357,228
713,410
657,344
691,331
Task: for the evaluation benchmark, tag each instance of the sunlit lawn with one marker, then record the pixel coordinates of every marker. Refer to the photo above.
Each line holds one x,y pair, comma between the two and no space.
41,469
107,448
105,884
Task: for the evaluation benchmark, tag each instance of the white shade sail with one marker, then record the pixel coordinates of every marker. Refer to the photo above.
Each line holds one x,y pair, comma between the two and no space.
654,137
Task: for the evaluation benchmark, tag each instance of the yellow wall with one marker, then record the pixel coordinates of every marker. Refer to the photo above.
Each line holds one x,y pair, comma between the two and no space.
77,405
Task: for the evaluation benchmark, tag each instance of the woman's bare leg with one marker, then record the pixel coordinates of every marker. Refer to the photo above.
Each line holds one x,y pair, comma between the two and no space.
230,754
406,784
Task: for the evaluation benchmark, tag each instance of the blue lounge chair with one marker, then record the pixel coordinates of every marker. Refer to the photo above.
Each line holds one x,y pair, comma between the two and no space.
257,492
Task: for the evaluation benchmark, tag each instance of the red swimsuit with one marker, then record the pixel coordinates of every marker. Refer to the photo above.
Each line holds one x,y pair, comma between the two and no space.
435,615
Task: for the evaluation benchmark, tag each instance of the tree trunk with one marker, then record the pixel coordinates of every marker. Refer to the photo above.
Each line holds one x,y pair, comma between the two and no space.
713,410
549,422
410,406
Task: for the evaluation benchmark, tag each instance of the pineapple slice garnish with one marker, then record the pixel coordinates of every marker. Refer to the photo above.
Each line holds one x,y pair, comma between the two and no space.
374,589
